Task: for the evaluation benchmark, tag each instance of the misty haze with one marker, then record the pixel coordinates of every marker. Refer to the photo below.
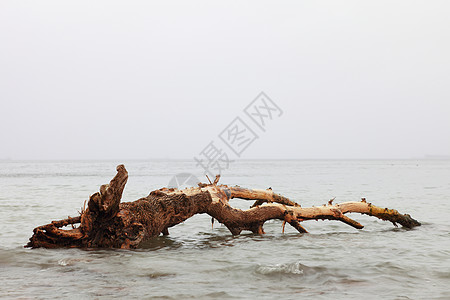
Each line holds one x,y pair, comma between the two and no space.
331,104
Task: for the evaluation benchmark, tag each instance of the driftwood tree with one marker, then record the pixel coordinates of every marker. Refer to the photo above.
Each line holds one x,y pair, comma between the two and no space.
107,223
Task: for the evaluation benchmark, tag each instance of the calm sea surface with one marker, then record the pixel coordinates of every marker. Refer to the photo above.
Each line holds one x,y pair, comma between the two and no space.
197,261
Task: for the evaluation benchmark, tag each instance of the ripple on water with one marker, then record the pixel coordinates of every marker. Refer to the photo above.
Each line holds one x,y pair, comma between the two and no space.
295,268
197,261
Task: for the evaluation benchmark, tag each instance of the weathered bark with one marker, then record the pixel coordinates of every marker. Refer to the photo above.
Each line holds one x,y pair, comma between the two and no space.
107,223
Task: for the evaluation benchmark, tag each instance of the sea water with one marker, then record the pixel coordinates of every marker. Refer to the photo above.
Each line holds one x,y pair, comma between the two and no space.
197,260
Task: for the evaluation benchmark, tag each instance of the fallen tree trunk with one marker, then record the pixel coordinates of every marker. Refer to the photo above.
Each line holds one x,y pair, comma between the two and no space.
107,223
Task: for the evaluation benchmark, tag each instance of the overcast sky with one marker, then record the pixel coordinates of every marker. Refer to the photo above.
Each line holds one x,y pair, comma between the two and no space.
162,79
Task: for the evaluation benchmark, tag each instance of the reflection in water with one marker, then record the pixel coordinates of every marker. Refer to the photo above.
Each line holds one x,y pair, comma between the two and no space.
161,242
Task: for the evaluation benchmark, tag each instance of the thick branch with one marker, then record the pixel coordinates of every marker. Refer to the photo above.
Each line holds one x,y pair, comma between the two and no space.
261,196
386,214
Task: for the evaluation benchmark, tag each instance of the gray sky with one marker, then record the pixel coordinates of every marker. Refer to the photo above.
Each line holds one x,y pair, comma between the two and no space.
162,79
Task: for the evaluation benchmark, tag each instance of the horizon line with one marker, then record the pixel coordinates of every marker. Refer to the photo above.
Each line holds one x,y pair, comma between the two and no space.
427,157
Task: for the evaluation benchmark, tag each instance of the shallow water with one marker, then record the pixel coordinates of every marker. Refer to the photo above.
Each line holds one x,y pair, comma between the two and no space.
197,261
